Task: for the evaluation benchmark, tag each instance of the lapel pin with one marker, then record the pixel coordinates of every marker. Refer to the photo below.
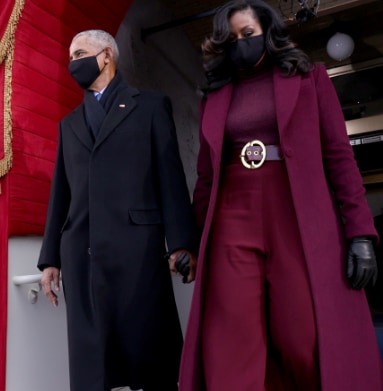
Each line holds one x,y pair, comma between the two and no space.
121,105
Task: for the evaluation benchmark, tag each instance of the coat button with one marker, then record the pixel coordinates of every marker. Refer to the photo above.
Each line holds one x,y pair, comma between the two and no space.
89,252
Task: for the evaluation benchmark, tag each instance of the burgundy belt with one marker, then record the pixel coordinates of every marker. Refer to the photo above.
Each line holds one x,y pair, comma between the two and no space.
253,154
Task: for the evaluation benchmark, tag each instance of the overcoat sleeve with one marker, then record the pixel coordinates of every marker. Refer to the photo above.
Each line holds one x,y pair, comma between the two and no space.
175,200
57,213
339,162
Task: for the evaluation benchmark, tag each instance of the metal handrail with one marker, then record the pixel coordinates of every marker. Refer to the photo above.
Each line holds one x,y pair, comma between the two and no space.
26,279
34,279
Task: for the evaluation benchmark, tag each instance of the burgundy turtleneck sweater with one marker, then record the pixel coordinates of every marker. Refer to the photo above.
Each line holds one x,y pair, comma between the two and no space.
252,111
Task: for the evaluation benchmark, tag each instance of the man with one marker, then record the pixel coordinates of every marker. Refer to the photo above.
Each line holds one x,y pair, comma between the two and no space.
118,196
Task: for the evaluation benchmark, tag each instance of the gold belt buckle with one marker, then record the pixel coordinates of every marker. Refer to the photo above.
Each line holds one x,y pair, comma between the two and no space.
251,164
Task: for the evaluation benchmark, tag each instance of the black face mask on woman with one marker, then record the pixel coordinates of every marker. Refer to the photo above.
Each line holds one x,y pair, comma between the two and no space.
246,52
85,70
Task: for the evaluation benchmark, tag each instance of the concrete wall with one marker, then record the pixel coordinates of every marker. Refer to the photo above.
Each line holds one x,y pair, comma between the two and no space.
166,62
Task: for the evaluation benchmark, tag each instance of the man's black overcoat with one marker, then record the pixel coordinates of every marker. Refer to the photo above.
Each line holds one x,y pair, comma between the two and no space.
113,202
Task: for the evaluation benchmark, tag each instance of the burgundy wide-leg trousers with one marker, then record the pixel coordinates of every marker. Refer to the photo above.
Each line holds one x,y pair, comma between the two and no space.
259,330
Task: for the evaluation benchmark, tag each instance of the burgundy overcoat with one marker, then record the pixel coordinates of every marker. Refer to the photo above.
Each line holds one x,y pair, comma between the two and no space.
330,203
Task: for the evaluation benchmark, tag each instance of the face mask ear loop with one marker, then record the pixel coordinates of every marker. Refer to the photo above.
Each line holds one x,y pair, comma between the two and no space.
96,55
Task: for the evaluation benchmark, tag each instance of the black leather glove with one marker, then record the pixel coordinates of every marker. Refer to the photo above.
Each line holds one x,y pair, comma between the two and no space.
361,262
182,266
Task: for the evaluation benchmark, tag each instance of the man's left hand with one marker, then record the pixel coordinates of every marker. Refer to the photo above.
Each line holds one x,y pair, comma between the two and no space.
192,264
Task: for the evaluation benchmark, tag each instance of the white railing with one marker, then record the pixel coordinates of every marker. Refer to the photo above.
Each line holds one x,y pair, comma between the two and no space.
34,279
27,279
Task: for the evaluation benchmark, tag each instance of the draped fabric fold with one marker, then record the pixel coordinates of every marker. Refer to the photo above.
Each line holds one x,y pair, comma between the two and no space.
37,91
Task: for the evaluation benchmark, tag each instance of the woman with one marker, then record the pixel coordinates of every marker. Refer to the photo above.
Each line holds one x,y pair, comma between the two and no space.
287,235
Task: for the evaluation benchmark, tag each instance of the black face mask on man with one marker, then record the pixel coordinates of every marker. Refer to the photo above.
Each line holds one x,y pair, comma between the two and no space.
246,52
85,70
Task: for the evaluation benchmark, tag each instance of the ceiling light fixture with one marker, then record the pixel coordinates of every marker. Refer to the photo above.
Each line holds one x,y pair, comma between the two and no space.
340,46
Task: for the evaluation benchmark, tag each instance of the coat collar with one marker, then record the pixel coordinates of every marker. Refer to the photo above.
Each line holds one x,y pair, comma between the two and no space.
214,118
286,90
123,105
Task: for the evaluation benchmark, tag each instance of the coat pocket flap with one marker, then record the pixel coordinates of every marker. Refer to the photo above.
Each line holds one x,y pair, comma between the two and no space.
145,216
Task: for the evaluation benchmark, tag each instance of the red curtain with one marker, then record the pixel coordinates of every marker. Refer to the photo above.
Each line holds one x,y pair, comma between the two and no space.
35,80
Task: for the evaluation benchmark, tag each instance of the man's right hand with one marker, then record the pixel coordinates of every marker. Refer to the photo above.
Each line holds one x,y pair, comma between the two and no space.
51,279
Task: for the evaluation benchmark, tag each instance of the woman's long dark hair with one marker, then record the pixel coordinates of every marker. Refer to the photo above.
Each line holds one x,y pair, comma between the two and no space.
279,47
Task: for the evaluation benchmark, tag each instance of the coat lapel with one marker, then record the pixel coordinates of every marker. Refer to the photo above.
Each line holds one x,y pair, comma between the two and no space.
122,106
214,119
286,91
80,128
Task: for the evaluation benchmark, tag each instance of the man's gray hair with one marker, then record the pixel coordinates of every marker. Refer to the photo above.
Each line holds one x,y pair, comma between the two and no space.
100,39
